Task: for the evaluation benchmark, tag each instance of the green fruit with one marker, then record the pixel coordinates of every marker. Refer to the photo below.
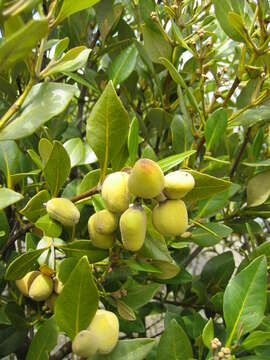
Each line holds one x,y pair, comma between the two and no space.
115,193
24,284
105,327
99,240
168,270
171,217
105,222
85,344
41,288
133,223
146,179
63,210
178,184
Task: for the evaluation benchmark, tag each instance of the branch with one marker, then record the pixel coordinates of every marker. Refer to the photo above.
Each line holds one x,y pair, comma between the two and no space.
242,149
62,352
86,194
15,237
192,256
231,91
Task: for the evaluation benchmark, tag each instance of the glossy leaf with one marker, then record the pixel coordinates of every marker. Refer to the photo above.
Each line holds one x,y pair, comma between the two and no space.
210,234
76,151
181,134
35,208
139,295
208,333
170,162
8,197
69,7
255,339
78,301
123,65
215,128
258,189
80,248
133,140
155,44
49,226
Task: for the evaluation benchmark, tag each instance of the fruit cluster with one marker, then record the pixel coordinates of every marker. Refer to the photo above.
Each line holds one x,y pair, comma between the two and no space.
145,180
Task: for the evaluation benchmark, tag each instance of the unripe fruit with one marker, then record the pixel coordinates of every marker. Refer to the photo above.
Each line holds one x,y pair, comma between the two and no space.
105,327
24,284
63,210
58,285
41,288
170,217
146,179
51,301
99,240
85,344
178,184
105,222
115,193
133,223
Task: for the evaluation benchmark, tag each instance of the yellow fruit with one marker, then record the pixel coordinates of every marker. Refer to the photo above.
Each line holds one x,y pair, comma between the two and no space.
58,285
170,217
168,270
178,184
105,222
99,240
115,193
63,210
133,224
24,284
146,179
51,301
85,344
105,327
41,288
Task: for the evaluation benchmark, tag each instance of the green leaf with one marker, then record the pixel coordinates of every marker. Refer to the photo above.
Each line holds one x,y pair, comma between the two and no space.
258,189
44,341
170,162
80,248
19,45
262,163
70,7
107,127
44,101
8,197
208,333
57,168
50,227
73,60
215,129
45,148
222,9
60,47
125,311
155,44
135,349
181,134
107,17
22,264
75,149
89,180
245,300
255,339
139,295
78,301
123,65
174,343
205,186
34,209
211,206
210,234
253,116
133,141
238,24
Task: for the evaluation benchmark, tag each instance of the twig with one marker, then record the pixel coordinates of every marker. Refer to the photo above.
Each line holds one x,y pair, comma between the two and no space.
62,352
231,91
86,194
200,145
192,256
15,237
242,149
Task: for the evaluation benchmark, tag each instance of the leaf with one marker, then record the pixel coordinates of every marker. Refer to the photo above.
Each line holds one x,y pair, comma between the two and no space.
44,341
107,17
135,349
258,189
73,60
222,10
89,180
78,301
174,343
70,7
49,226
125,311
19,45
139,295
60,47
208,334
107,127
210,234
181,134
155,43
255,339
133,141
8,197
170,162
75,149
57,168
252,116
245,300
80,248
34,209
45,149
210,207
44,101
22,264
123,65
205,186
215,129
238,24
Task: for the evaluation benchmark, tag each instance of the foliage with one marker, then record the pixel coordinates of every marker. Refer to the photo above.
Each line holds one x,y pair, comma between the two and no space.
88,88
